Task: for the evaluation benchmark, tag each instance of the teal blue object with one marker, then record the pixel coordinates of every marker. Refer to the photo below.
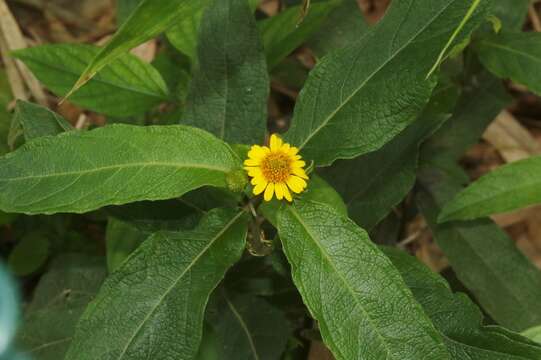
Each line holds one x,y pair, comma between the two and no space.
9,313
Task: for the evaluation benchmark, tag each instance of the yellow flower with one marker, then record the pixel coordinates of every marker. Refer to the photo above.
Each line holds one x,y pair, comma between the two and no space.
276,169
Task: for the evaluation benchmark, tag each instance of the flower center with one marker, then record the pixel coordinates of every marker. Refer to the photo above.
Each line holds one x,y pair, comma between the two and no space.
276,167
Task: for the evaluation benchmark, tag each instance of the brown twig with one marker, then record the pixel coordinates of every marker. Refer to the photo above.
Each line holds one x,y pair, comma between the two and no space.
534,18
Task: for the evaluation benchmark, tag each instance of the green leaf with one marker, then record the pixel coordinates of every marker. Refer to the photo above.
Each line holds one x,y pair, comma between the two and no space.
184,34
9,309
482,99
246,327
318,190
482,255
59,301
457,318
376,182
515,56
283,33
161,292
363,307
35,121
121,239
124,8
128,86
149,19
360,97
343,26
509,187
512,13
153,216
533,333
30,253
79,172
5,116
230,87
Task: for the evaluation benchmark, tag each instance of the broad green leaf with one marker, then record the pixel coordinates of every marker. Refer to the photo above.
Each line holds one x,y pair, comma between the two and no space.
161,292
126,87
59,301
482,256
515,56
5,116
364,309
148,20
533,333
507,188
30,253
512,13
342,26
121,239
230,87
208,349
457,318
34,121
184,34
283,33
124,8
481,101
318,190
118,164
176,71
376,182
246,327
153,216
9,310
361,96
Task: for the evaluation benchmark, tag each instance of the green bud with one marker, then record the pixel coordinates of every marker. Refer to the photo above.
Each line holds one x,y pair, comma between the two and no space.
236,180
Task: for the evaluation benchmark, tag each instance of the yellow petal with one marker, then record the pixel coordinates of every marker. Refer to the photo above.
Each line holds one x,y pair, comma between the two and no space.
296,184
299,172
293,151
260,187
279,190
258,152
258,179
275,142
254,171
287,194
252,162
298,164
269,191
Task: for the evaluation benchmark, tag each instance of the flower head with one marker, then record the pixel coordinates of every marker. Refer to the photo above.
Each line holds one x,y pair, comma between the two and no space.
276,169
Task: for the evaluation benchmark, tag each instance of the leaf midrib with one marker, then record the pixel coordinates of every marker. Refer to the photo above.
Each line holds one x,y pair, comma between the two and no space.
505,193
376,71
119,167
243,326
174,284
459,231
341,277
511,50
96,79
